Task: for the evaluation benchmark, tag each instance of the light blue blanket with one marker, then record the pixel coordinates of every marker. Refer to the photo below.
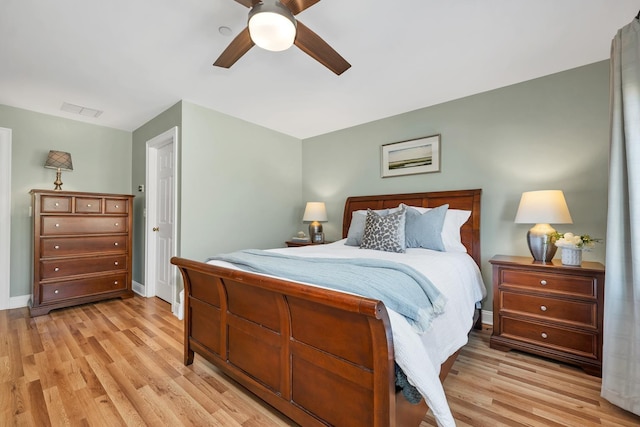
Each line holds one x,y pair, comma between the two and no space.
400,287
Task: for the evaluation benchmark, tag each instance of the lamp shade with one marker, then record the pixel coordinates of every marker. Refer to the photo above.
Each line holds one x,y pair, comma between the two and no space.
272,25
315,211
543,207
59,160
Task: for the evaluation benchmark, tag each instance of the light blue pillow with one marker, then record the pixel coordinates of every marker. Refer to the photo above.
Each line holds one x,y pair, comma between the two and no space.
384,233
356,228
424,230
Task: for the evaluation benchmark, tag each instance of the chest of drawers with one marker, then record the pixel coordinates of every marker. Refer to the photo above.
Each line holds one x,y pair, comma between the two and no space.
82,245
549,309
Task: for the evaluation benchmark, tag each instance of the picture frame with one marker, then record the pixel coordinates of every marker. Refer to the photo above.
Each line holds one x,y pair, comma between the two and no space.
414,156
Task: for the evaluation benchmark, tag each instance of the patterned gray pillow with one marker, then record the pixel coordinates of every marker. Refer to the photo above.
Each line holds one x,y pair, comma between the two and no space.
384,233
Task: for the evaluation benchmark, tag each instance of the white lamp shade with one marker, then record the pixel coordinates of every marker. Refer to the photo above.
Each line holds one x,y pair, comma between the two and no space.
543,207
272,26
315,211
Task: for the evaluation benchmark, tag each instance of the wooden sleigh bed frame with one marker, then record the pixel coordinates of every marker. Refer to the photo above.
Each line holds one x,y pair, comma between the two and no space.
319,356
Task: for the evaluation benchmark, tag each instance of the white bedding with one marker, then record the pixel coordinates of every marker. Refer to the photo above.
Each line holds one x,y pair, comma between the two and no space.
457,276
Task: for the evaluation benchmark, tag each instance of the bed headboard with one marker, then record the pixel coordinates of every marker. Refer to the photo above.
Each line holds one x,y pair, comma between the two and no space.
458,199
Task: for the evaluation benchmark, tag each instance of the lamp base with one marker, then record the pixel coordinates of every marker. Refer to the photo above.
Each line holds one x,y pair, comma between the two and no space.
541,242
58,181
315,232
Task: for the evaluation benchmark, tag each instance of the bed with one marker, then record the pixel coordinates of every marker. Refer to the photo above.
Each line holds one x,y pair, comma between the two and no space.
321,356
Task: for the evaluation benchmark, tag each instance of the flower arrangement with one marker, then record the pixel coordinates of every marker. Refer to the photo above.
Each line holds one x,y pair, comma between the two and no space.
572,241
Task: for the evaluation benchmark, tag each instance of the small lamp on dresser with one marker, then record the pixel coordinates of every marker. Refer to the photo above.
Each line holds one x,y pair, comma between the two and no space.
60,161
315,212
542,208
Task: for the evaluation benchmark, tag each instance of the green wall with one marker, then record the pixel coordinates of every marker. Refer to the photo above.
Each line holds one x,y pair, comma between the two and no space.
101,163
547,133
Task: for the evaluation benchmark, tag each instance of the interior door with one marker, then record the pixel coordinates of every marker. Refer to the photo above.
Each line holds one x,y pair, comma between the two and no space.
163,228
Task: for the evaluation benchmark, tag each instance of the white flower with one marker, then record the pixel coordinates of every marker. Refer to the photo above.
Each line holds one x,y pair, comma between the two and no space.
570,240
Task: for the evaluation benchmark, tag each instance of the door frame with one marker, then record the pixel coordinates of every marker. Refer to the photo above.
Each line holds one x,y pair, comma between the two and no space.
152,146
5,218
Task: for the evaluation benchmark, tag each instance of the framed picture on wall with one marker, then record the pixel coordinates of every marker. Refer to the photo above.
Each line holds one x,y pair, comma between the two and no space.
420,155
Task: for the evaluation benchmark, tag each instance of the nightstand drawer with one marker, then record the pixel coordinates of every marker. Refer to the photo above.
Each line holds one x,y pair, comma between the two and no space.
565,340
574,312
549,282
116,206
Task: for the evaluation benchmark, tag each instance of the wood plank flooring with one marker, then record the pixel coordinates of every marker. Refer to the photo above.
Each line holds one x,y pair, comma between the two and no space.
119,363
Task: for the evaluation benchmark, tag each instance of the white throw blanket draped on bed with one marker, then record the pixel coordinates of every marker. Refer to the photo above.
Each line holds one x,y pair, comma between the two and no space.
457,277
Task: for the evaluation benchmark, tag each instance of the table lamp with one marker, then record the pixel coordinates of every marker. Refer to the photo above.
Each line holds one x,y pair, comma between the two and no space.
543,208
315,212
60,161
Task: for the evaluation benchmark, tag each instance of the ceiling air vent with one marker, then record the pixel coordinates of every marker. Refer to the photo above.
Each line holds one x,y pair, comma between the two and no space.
78,109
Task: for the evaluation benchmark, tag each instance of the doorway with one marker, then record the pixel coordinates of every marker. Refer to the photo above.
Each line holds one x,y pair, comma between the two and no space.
161,217
5,218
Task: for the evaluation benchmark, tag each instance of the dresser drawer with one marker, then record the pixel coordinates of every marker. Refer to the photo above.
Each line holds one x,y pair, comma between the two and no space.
68,246
569,341
116,206
88,205
575,312
52,225
55,204
51,292
549,282
52,269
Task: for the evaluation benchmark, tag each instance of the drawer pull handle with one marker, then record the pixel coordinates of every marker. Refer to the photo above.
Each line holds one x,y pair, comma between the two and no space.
543,308
117,224
115,263
56,291
116,206
544,335
543,282
57,225
56,269
115,283
88,205
57,204
56,247
115,244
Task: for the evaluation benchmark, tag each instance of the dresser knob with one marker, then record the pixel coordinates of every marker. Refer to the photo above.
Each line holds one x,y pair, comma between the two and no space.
117,206
543,307
115,283
543,282
56,269
57,225
57,204
115,244
115,263
88,205
544,335
56,247
117,224
56,291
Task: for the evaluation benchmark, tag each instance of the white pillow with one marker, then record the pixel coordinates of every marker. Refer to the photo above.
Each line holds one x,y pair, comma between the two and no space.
453,220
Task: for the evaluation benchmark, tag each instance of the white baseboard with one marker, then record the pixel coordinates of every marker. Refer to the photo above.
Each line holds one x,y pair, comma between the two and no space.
487,317
138,288
20,301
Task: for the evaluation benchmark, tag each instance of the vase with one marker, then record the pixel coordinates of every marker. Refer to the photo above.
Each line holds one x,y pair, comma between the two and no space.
571,256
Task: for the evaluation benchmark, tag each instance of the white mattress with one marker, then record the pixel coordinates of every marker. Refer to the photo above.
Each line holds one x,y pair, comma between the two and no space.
458,278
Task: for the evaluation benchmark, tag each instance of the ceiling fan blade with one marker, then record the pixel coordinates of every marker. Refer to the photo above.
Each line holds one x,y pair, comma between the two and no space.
238,47
314,46
249,3
296,6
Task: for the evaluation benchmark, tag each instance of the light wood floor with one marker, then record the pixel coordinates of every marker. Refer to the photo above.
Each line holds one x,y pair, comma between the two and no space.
119,362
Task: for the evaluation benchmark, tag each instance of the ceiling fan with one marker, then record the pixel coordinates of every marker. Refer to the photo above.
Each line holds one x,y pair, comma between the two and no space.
272,26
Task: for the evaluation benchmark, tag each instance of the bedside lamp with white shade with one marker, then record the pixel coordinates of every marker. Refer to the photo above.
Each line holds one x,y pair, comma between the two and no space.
542,208
315,212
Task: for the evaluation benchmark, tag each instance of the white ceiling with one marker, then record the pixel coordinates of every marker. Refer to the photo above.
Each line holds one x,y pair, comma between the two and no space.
135,58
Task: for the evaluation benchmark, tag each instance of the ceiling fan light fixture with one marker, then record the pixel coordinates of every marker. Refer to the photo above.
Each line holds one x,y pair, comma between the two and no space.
272,26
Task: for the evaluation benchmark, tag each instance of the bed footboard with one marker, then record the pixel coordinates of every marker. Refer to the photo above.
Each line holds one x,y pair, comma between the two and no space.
320,357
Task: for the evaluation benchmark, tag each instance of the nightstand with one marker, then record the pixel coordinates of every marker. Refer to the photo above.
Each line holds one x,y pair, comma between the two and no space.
549,309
